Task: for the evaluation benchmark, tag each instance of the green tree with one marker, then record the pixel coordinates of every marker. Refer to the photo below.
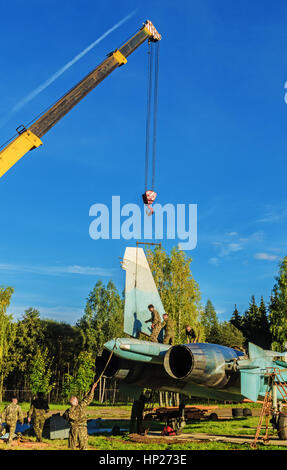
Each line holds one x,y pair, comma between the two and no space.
64,343
28,338
255,324
236,319
103,317
179,291
229,335
278,309
80,383
40,373
210,323
6,334
263,337
250,321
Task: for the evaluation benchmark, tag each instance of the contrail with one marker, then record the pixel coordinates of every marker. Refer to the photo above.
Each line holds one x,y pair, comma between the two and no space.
69,64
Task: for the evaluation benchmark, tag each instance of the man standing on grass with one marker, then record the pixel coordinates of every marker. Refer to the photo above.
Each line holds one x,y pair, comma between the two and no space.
76,415
137,415
11,414
38,410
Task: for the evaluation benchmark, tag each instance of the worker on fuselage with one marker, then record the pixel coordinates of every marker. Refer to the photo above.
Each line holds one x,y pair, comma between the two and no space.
155,323
168,325
190,334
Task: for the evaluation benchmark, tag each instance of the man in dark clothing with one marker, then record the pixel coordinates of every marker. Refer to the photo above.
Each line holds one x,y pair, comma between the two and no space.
137,415
168,325
38,410
190,334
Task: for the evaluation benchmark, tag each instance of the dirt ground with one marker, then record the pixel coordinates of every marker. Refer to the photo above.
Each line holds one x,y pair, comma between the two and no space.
23,443
223,433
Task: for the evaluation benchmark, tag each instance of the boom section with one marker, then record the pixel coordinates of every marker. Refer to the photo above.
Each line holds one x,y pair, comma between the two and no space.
30,138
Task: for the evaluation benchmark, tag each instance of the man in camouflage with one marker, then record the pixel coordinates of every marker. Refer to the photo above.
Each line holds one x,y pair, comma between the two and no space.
168,325
38,410
155,323
11,414
76,415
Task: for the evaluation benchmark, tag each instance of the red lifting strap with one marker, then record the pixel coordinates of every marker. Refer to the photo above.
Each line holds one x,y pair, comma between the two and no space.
148,199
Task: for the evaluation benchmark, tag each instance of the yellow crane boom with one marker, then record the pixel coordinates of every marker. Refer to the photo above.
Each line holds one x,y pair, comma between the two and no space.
29,139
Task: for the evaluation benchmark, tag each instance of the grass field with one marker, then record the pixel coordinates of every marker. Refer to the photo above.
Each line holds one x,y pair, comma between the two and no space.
120,416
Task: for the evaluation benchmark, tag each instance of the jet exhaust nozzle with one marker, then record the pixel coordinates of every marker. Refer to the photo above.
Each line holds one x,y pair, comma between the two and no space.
202,363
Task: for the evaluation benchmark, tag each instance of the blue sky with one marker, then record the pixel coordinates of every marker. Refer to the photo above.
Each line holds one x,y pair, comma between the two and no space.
221,145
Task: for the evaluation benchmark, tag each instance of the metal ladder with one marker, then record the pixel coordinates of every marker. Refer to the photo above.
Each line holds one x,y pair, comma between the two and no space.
275,379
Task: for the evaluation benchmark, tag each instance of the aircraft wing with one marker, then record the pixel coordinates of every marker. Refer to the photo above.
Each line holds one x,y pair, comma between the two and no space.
200,369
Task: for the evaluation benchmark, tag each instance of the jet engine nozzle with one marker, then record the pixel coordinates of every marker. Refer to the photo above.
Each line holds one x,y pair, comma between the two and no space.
202,363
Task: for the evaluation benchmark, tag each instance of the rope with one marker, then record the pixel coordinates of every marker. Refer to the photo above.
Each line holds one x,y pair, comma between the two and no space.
107,363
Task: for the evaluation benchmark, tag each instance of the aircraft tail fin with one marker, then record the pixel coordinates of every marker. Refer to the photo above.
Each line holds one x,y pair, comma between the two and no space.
140,291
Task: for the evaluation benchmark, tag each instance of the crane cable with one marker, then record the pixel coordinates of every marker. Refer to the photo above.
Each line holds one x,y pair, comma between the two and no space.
155,106
152,90
148,116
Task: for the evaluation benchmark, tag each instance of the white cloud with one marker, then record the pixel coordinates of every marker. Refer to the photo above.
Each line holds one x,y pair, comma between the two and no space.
231,248
266,256
220,312
213,260
232,234
57,270
226,248
273,214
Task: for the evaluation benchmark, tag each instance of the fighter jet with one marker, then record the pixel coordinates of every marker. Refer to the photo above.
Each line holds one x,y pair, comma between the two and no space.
201,370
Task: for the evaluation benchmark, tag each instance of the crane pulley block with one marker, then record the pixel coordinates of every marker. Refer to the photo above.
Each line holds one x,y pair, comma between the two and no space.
148,199
154,34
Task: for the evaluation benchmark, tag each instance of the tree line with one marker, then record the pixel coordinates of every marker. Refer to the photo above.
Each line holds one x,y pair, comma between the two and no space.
46,355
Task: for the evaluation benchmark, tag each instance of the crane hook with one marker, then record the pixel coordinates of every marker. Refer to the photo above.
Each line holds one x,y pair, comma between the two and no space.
148,199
